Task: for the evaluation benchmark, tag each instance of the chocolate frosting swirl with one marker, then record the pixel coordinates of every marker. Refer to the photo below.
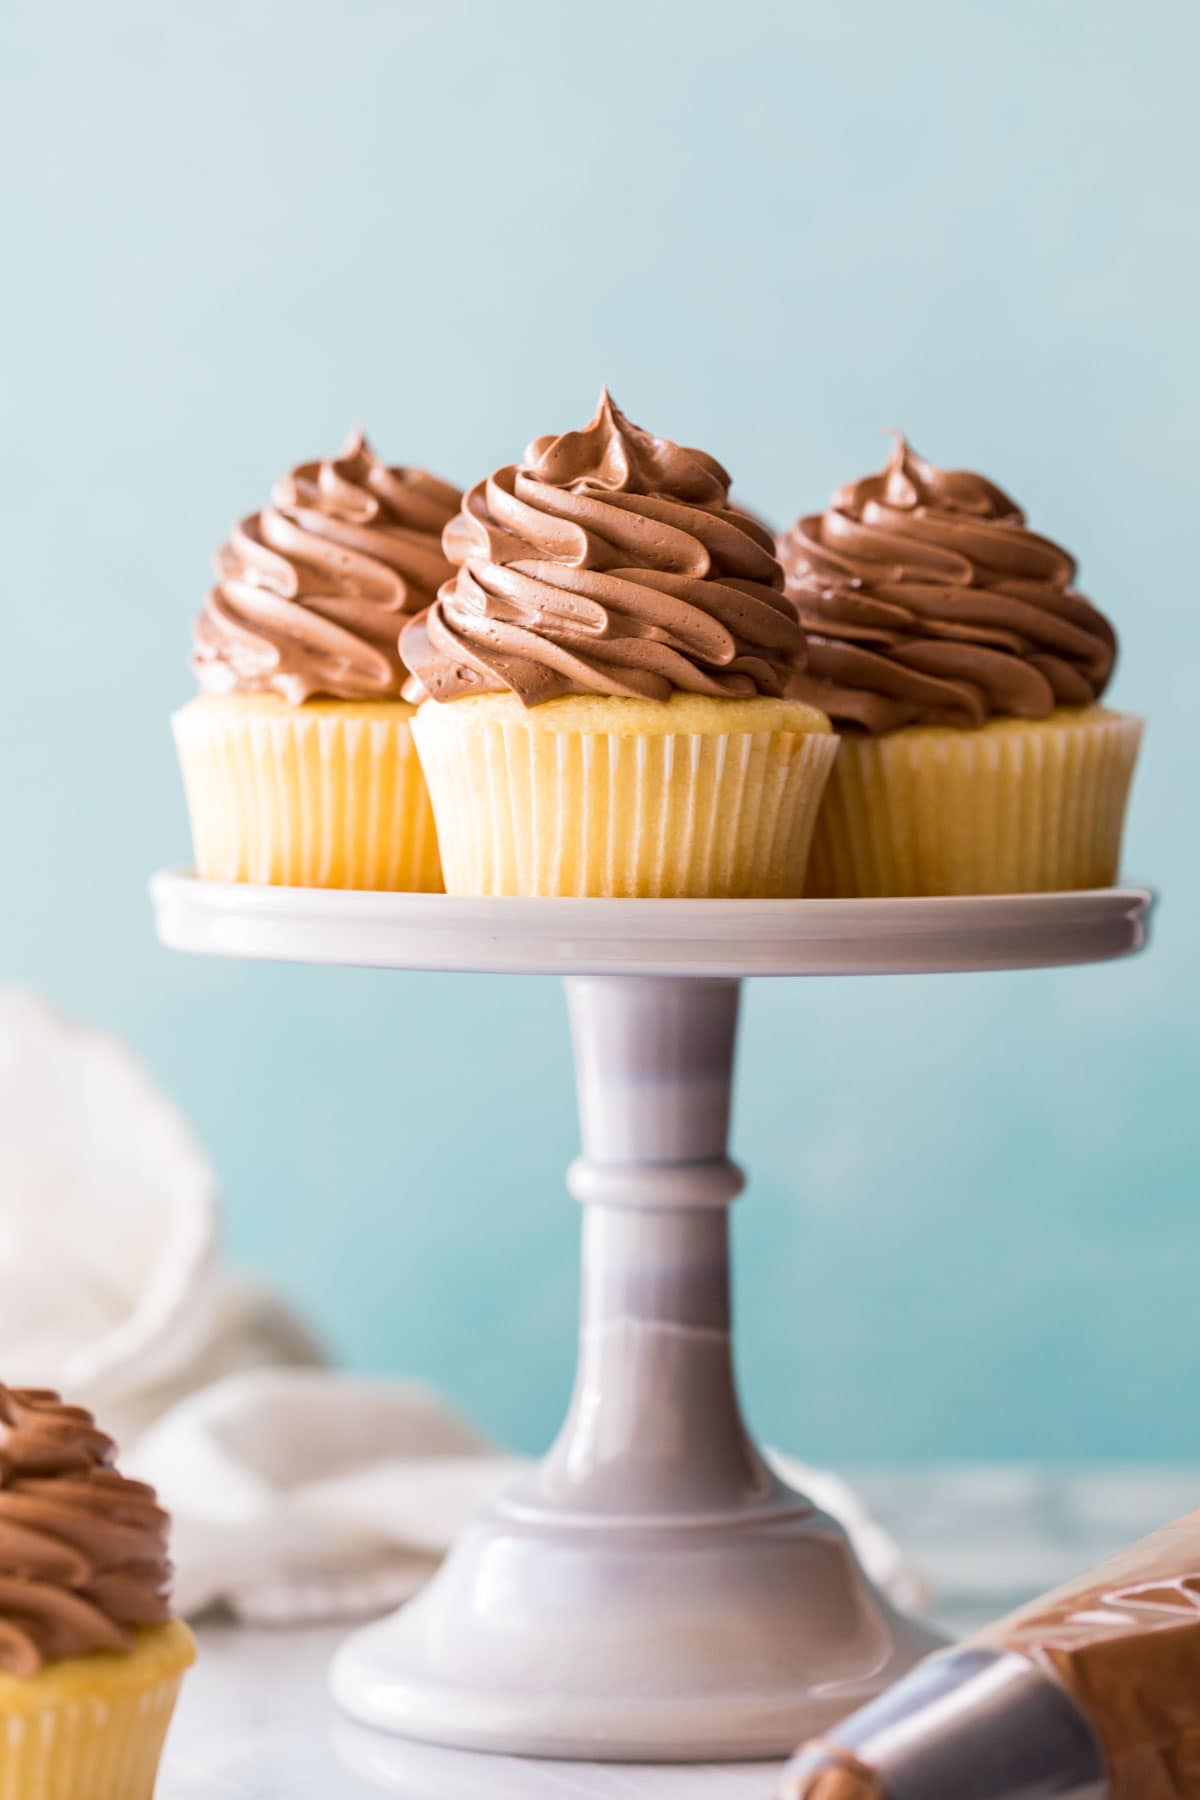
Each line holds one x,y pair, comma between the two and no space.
607,562
83,1551
927,600
311,592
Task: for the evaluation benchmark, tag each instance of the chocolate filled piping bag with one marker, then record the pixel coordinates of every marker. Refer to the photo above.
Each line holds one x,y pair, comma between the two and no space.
1090,1693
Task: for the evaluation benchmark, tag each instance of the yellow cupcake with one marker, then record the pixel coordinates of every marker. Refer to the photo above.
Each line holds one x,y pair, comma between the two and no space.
625,798
1016,807
93,1727
949,645
90,1658
298,758
329,794
605,680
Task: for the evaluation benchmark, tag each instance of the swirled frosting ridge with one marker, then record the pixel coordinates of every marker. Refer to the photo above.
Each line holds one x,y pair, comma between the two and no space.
312,592
608,561
926,599
83,1550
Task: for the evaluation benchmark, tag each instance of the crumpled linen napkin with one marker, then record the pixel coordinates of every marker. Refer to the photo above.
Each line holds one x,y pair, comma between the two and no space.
298,1492
111,1285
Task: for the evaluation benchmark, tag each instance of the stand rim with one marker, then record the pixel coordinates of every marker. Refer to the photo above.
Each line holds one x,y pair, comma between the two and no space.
695,938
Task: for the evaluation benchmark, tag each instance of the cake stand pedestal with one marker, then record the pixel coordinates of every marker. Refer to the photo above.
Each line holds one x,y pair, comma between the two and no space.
652,1591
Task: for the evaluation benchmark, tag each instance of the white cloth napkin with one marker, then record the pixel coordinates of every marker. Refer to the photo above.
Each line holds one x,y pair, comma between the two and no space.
298,1492
111,1287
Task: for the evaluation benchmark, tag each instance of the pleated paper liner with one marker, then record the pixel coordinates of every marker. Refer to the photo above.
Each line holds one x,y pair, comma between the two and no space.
325,795
1017,807
92,1728
624,798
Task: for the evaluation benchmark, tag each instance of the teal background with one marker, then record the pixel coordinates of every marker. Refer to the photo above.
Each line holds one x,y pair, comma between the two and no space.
232,230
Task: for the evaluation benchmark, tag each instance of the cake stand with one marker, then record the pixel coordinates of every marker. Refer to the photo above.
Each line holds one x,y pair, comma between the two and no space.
652,1591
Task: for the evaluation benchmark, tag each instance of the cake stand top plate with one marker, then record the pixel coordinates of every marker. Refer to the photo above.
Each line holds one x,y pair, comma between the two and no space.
647,937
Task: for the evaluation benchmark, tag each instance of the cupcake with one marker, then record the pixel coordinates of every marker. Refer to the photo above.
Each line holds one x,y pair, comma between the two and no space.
604,681
298,757
90,1657
951,649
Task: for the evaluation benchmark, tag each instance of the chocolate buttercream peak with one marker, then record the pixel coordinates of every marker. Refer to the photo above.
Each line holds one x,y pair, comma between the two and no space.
927,600
312,591
355,445
83,1550
610,453
609,561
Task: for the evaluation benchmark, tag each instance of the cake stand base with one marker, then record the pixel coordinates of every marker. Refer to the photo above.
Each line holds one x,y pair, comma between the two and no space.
726,1639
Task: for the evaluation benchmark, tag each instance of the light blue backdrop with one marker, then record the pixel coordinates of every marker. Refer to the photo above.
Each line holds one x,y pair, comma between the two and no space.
775,230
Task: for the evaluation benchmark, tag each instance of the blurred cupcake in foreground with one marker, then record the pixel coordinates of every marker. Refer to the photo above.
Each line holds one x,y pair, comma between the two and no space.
90,1657
606,680
298,757
948,644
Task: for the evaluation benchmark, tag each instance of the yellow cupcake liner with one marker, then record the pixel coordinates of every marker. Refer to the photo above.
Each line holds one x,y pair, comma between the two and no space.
325,795
1017,807
624,798
92,1727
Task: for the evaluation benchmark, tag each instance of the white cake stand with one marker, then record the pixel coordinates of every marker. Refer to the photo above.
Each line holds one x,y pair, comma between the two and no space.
652,1591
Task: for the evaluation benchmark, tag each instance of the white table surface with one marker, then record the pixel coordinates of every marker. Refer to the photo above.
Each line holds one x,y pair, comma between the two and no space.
255,1721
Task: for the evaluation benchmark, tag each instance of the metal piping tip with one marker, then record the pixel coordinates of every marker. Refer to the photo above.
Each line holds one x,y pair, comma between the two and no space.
967,1724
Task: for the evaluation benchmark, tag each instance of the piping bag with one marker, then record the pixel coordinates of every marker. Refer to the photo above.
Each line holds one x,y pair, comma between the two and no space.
1090,1693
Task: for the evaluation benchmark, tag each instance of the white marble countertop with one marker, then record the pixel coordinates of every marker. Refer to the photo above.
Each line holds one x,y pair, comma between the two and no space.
255,1721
